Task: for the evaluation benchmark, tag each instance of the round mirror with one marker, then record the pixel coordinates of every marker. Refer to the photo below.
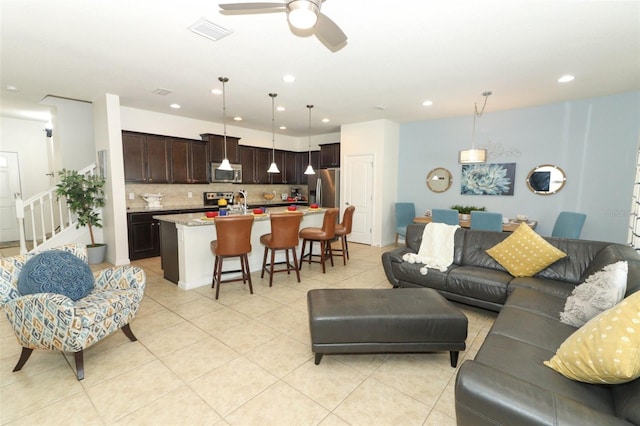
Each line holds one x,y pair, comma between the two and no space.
439,180
546,179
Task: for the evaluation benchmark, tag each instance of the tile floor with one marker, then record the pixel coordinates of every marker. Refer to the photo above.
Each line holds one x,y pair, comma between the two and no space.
244,359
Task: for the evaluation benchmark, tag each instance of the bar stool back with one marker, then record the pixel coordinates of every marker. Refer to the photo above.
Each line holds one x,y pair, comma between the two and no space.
233,240
283,236
323,235
342,230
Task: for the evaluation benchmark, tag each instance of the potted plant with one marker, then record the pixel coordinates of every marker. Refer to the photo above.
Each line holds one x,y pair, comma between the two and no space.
465,211
84,195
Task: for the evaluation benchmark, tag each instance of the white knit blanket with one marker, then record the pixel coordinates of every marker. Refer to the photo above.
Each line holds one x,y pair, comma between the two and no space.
436,248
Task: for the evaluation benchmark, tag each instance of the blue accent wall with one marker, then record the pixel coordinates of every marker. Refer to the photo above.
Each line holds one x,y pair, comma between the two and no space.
594,141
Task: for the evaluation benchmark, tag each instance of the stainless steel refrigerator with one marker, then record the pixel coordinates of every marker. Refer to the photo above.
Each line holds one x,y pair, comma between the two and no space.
327,187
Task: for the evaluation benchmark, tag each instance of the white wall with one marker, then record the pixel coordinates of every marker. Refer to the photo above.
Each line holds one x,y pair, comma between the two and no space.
108,136
29,140
72,132
593,140
379,138
139,120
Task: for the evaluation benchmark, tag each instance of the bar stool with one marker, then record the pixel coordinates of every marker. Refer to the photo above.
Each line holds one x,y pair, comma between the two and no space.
324,235
283,236
234,240
342,230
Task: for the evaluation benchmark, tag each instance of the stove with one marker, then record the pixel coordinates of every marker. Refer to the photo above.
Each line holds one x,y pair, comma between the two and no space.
212,198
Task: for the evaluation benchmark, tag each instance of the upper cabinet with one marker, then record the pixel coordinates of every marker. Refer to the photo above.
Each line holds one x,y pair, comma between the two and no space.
189,161
146,158
217,147
330,155
255,162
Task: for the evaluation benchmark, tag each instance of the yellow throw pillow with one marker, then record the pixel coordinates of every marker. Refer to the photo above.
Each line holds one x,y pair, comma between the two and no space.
525,253
604,350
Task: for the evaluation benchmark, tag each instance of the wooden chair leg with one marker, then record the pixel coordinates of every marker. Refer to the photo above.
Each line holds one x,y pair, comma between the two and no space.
24,357
295,262
323,248
287,261
273,259
346,245
264,261
245,258
218,275
304,243
215,271
344,250
310,251
79,364
330,252
127,332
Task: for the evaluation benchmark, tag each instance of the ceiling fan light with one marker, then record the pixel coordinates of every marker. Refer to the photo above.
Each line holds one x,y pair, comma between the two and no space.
471,156
273,168
309,170
225,165
303,14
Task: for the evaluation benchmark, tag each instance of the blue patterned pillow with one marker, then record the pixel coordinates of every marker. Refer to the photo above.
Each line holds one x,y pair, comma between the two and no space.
56,271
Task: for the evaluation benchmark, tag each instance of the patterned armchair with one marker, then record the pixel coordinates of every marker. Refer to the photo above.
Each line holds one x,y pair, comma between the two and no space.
53,321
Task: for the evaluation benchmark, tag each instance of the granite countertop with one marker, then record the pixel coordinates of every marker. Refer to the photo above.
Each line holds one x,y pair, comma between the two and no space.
203,207
198,219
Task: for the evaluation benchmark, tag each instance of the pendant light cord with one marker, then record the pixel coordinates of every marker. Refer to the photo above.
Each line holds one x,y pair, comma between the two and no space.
478,114
224,113
273,125
309,106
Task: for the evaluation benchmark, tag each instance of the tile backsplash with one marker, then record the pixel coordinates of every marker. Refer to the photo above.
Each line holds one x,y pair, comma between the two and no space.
176,195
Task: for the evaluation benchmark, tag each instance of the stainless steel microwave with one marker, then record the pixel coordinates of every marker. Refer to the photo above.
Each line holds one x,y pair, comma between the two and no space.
228,176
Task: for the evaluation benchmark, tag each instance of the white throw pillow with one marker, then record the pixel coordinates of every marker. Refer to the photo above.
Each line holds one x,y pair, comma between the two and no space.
600,291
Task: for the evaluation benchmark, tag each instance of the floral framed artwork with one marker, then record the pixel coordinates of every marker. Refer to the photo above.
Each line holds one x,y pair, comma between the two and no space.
488,179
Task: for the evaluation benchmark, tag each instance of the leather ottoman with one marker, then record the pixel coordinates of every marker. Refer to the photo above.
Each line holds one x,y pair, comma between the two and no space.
384,320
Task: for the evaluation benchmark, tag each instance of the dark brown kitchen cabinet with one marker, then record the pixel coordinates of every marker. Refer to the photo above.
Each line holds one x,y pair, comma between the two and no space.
189,161
294,167
255,162
330,155
144,235
146,157
216,147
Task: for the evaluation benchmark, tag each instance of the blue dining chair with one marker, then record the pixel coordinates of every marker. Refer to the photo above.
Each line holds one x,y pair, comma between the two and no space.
569,225
405,213
486,221
448,216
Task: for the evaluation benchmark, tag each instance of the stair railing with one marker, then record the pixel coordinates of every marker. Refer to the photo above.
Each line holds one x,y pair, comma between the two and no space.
44,215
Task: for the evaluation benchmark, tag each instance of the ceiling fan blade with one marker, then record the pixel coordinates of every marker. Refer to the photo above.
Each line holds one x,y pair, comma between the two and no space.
251,6
330,34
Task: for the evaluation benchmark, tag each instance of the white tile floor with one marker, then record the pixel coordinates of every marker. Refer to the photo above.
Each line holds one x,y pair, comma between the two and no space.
244,359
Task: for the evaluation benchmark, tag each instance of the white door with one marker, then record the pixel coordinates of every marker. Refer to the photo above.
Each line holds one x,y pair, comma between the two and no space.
9,190
358,192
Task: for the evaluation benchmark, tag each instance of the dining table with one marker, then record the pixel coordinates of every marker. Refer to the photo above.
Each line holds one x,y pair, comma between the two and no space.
507,226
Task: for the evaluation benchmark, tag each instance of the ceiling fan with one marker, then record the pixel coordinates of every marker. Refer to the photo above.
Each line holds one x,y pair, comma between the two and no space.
303,15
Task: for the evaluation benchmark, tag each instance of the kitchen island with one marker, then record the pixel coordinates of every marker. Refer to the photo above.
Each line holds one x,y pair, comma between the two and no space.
186,255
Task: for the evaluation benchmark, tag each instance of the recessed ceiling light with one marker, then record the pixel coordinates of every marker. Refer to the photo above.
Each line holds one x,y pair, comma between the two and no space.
216,91
427,103
280,108
175,106
283,127
566,78
288,78
325,120
237,118
11,88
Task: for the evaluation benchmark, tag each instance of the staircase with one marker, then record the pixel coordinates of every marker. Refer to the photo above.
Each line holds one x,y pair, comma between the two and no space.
47,219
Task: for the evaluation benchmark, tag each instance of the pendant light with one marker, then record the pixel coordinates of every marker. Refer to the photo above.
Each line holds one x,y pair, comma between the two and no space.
309,170
473,155
225,165
273,168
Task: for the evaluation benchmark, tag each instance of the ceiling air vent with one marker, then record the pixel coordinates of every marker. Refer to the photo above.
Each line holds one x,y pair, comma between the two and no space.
162,92
209,30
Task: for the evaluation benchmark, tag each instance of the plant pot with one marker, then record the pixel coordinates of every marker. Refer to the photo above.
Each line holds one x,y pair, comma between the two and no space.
96,253
465,217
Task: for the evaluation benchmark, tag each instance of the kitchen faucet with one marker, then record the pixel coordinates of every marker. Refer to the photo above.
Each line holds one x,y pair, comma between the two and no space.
244,199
